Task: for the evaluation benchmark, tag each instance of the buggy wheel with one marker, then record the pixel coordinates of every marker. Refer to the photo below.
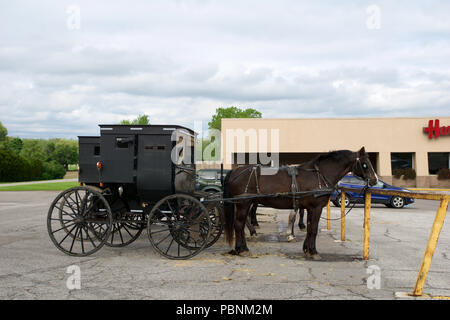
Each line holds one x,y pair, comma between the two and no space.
126,227
179,226
79,221
215,215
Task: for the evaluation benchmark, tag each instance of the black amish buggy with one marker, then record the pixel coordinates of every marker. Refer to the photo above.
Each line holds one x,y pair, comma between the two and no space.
135,177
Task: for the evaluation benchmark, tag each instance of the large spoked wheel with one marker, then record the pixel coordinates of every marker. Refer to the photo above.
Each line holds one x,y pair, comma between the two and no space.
79,221
179,226
215,215
127,226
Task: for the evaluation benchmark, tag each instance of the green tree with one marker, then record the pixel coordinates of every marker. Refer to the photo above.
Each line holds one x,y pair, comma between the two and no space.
141,119
14,167
65,153
15,144
52,170
231,112
3,132
33,149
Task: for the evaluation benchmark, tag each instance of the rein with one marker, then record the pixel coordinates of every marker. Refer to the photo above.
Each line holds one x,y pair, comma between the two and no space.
363,190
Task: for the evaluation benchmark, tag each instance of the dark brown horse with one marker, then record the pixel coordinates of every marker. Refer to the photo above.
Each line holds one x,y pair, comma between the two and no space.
324,172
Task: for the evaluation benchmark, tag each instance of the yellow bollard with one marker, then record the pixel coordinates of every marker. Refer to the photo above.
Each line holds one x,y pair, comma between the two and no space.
367,204
431,246
328,214
342,216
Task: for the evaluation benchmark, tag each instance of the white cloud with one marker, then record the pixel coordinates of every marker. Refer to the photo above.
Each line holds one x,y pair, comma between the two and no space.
179,60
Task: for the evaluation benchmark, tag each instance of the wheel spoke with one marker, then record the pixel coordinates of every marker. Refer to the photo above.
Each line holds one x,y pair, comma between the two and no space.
65,227
163,239
169,246
112,233
81,238
120,234
61,219
89,237
73,240
77,196
67,235
127,231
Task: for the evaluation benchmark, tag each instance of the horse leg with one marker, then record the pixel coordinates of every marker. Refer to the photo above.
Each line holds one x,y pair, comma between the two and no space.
254,220
309,246
239,229
301,225
250,226
290,228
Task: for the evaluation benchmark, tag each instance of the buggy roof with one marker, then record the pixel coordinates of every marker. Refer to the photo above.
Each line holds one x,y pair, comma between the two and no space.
142,129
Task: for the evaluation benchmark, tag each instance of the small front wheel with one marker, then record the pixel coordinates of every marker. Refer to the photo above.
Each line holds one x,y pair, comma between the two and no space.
179,226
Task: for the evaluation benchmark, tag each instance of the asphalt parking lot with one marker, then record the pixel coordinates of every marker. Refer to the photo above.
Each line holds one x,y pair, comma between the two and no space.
32,268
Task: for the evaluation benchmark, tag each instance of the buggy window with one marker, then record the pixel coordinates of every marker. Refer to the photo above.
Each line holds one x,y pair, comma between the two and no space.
122,143
96,150
160,148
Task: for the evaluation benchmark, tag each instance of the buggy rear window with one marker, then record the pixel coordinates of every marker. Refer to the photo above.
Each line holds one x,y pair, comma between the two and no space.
160,148
122,143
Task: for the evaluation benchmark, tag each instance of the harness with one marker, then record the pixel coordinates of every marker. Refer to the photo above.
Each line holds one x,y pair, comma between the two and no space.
293,170
255,173
293,173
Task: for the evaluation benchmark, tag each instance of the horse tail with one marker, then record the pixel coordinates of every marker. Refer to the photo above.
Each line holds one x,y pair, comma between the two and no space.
228,223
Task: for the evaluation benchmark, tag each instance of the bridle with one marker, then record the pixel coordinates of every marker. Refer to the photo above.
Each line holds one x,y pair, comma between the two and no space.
363,166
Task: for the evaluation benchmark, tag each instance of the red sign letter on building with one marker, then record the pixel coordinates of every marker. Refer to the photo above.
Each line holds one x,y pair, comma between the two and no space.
430,130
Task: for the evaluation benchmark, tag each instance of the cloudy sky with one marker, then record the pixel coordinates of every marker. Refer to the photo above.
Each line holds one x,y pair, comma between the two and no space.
178,60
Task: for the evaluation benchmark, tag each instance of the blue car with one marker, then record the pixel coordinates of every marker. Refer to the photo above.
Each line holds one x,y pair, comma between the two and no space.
350,181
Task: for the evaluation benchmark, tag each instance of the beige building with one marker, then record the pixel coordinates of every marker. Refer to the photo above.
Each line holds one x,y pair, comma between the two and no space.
392,143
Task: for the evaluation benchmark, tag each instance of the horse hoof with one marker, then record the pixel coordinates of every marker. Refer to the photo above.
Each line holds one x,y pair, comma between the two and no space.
290,238
246,253
233,252
303,228
314,256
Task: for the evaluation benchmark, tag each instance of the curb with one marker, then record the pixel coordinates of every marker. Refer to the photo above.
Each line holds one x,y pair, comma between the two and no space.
429,189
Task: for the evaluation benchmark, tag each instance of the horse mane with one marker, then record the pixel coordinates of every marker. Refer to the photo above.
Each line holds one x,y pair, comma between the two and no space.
337,155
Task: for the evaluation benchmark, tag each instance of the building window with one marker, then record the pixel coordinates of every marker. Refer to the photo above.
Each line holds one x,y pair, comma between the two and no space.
401,160
438,160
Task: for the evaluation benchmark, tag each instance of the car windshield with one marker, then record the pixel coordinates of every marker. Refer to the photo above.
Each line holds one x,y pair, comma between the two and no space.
208,175
379,184
352,180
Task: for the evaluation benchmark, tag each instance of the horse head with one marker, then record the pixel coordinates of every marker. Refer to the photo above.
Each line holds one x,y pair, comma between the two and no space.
362,167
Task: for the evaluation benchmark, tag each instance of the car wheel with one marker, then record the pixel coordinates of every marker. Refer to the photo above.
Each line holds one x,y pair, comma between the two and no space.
347,201
397,202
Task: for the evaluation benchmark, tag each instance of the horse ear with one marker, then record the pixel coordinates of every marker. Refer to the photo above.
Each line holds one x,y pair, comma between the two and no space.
361,151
